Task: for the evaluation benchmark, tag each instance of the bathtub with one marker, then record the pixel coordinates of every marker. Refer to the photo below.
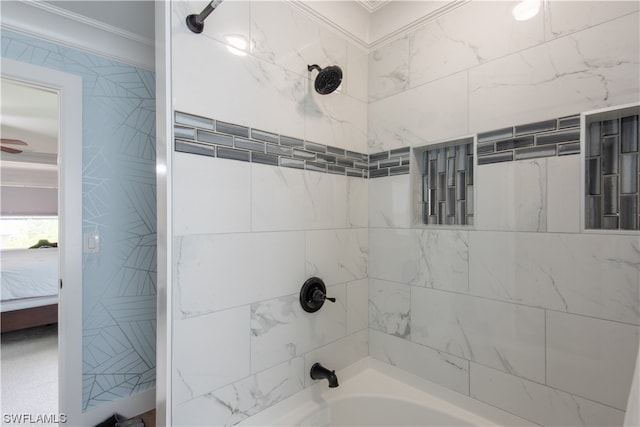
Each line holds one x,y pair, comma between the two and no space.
373,393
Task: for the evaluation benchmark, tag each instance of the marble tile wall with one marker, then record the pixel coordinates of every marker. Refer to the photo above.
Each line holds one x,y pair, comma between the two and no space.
490,311
247,234
523,310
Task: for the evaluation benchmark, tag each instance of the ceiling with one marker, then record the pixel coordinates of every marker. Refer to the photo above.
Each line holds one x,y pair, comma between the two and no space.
28,114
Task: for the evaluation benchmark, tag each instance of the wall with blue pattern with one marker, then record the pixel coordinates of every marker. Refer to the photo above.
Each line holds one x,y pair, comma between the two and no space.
119,202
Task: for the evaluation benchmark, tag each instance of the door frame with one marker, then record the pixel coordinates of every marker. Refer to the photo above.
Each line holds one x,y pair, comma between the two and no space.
69,89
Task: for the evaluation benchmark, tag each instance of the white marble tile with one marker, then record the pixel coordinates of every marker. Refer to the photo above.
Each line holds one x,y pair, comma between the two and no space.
443,261
231,404
433,365
230,18
213,195
442,114
357,305
390,307
338,354
337,256
356,79
394,254
244,89
538,403
218,271
511,196
590,69
292,199
283,35
474,34
593,275
390,202
198,364
563,194
357,202
505,336
563,17
389,69
281,329
591,358
433,258
335,119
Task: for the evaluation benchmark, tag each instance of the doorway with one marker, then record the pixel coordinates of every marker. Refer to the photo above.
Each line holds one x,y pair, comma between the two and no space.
68,90
28,241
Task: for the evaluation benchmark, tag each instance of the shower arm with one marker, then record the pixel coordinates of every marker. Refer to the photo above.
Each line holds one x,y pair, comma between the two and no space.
314,67
196,22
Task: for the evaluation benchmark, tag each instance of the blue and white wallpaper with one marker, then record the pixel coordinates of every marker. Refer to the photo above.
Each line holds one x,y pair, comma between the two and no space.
119,202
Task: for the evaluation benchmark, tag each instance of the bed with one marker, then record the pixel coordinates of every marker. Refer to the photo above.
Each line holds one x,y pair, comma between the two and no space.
29,289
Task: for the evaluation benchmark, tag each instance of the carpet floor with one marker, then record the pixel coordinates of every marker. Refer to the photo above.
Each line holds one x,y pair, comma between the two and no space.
29,373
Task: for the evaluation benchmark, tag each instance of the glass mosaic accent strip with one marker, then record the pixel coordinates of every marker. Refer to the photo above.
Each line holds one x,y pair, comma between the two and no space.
208,137
611,174
447,183
548,138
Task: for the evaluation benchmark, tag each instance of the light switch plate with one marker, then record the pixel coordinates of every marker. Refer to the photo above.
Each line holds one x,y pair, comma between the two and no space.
91,242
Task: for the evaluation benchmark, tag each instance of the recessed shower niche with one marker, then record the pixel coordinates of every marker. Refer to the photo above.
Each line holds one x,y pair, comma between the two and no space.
611,174
445,183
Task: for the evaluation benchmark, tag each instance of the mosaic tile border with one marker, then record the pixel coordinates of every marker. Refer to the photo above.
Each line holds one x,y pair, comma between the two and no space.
548,138
209,137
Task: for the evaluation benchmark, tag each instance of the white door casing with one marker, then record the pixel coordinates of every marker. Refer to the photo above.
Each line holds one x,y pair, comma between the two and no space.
69,89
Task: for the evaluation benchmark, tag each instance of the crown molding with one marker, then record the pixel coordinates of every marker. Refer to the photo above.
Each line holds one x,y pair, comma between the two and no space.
46,21
413,24
329,19
405,20
372,5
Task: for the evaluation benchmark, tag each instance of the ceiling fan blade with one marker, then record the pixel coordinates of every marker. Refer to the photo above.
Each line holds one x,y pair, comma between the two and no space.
10,150
12,141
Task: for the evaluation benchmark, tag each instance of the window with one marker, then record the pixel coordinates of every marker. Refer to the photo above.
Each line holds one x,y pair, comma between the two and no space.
22,232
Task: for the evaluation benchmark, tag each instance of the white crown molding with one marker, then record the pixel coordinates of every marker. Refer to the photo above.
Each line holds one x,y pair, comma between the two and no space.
61,26
372,5
325,14
413,24
398,20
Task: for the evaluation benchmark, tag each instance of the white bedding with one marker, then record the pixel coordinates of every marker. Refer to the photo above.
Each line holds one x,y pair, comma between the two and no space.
28,273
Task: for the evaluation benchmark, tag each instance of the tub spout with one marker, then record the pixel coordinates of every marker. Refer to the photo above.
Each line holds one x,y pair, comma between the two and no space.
319,372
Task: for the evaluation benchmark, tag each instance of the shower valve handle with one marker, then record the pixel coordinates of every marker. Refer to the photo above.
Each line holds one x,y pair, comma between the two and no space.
319,296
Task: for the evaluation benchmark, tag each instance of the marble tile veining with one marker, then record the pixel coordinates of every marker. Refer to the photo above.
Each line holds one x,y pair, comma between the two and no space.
593,275
281,329
537,402
505,336
389,308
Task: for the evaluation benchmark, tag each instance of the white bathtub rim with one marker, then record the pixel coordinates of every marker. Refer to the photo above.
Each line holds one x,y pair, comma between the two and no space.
406,387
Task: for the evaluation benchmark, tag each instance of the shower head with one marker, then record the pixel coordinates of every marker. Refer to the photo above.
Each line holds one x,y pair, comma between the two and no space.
328,79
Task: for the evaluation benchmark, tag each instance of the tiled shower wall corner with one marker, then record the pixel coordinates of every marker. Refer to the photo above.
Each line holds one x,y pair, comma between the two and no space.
275,193
496,312
523,310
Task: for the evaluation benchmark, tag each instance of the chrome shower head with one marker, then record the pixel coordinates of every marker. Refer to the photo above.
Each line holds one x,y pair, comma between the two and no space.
328,79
